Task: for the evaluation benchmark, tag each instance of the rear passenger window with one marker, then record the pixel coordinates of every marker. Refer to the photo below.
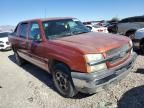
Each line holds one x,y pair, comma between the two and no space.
132,20
140,19
34,32
23,30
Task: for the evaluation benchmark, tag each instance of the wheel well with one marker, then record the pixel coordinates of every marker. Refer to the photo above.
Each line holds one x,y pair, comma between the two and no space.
53,62
130,31
142,41
13,48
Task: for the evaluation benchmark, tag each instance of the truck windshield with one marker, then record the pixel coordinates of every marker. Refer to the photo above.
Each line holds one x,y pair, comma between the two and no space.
5,34
62,28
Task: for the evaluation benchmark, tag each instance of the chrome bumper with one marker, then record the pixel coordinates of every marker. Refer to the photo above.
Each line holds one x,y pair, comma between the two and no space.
96,81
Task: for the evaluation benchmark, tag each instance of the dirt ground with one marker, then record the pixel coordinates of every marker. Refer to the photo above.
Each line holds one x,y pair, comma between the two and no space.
31,87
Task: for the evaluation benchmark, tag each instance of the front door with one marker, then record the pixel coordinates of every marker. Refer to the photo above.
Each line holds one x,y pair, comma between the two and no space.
35,46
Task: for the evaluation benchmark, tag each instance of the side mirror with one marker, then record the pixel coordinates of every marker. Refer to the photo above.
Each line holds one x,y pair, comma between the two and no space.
37,38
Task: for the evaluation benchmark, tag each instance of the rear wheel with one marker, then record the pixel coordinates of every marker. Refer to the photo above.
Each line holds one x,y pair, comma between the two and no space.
63,81
142,47
18,59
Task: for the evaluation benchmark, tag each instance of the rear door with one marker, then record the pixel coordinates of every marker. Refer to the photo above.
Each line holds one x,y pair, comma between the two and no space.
35,46
22,40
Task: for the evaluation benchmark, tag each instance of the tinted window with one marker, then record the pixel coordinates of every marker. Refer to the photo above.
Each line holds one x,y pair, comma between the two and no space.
140,20
34,32
131,20
23,30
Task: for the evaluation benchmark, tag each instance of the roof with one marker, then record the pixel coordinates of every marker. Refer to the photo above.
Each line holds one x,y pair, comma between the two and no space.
49,19
134,17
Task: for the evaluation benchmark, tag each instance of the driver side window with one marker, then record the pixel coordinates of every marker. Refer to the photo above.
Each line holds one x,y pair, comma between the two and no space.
34,32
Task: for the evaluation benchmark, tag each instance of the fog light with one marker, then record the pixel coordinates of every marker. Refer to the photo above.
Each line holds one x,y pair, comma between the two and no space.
7,43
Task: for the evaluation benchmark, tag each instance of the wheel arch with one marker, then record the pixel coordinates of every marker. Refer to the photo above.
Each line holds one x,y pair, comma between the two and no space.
129,31
53,62
142,41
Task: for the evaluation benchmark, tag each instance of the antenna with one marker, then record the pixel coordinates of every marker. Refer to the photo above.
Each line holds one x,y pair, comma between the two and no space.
45,12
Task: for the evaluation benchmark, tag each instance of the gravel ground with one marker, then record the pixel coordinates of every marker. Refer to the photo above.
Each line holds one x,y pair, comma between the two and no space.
31,87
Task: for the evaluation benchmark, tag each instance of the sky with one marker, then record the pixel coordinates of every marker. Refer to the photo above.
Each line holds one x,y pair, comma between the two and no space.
14,11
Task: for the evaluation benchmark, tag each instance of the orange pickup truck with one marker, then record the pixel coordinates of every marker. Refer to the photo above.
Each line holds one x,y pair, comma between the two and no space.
78,60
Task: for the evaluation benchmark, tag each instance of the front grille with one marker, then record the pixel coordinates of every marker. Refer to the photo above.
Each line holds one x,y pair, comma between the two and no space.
124,49
1,41
1,45
116,50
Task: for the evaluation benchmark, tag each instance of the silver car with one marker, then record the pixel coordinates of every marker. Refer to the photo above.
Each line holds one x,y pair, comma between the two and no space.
129,26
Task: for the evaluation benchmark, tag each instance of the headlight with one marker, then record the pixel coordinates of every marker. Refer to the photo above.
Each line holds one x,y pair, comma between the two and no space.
90,58
93,57
131,43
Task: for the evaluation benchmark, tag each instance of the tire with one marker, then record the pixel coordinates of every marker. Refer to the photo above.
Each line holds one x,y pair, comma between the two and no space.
130,34
63,81
142,47
18,59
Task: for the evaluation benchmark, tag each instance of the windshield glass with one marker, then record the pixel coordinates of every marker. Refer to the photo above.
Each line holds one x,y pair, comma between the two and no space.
62,28
4,35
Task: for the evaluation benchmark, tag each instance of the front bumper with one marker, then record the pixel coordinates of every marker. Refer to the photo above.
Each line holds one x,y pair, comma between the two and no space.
97,81
5,47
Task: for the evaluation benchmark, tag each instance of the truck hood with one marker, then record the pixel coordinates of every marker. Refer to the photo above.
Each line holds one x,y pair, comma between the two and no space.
93,42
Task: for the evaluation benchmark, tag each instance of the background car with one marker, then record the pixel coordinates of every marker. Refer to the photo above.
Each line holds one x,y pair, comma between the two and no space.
112,27
4,43
97,28
128,26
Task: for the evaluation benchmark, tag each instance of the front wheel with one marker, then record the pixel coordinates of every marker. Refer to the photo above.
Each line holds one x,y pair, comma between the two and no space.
130,35
63,81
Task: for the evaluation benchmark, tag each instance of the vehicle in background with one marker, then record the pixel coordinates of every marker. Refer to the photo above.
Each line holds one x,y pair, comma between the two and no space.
4,43
128,26
77,59
112,28
97,28
99,23
138,40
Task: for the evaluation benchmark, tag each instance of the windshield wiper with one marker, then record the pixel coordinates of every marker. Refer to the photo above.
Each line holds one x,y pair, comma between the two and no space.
69,34
80,33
